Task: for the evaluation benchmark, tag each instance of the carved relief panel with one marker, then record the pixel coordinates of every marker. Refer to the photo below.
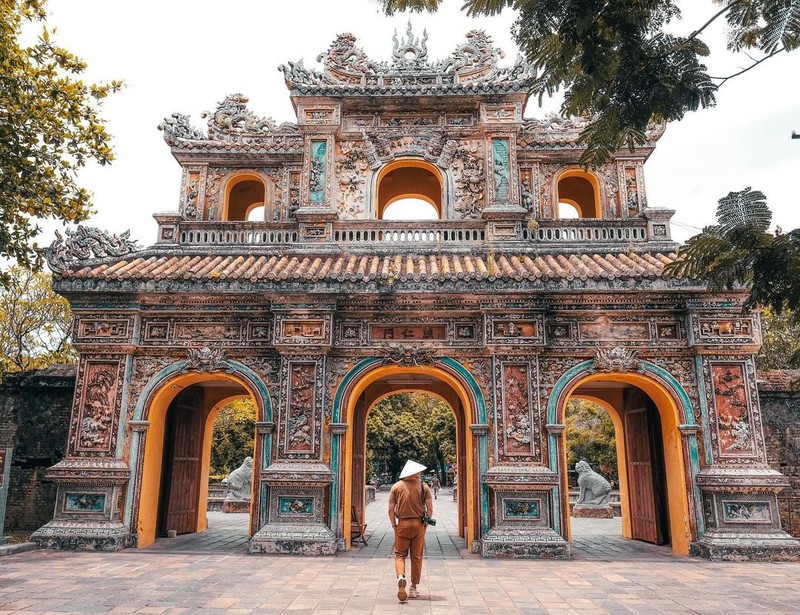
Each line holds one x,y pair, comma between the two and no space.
502,164
721,332
193,189
519,414
630,179
383,331
295,331
317,173
220,331
635,330
734,415
470,180
301,391
93,426
514,329
99,329
352,172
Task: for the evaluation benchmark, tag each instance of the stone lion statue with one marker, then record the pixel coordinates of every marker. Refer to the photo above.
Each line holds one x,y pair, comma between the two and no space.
594,488
240,481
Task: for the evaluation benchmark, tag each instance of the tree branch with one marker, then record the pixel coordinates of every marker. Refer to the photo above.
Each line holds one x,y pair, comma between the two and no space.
744,70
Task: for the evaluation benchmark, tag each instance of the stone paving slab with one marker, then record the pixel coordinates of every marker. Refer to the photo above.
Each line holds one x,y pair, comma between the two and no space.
212,573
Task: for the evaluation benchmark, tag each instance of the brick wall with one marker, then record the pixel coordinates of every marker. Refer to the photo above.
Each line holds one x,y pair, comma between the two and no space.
780,411
34,419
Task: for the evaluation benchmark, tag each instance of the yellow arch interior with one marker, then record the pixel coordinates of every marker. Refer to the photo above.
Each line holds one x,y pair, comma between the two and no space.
154,449
381,372
677,493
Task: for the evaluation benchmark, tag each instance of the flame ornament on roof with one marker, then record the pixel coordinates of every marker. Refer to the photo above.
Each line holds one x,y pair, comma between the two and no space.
347,69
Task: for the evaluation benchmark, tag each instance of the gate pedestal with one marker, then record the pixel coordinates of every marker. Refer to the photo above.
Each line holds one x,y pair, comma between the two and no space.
87,506
523,528
295,518
742,519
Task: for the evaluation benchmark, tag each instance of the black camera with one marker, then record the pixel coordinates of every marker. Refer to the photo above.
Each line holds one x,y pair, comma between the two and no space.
428,520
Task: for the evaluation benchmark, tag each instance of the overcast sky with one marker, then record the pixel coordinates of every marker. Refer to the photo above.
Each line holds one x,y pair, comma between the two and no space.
186,55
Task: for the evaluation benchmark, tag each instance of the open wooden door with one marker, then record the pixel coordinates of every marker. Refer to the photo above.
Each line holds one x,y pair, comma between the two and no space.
646,489
183,447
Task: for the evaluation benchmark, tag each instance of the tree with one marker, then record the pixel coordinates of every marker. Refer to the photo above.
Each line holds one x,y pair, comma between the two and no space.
49,128
618,65
410,426
740,251
781,340
590,436
233,436
35,323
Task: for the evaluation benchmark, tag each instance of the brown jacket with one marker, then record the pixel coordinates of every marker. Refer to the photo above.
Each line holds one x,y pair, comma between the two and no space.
405,499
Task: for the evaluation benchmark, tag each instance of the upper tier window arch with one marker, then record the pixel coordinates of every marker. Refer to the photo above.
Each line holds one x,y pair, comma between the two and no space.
579,190
404,186
245,196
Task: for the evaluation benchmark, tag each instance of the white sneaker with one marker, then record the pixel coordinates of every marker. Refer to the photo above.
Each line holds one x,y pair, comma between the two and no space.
402,594
412,592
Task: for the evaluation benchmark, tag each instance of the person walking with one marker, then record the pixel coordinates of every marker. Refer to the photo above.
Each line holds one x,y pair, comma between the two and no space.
409,498
436,484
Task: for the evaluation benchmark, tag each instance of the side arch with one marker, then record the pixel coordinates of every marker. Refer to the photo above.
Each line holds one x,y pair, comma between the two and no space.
452,373
148,423
679,427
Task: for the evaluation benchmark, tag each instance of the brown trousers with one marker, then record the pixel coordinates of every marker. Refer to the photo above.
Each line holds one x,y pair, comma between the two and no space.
409,535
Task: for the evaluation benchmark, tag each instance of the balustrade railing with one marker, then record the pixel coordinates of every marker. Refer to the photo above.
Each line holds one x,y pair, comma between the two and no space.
407,233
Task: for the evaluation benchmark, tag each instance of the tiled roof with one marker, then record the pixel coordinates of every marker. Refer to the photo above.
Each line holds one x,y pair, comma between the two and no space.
381,268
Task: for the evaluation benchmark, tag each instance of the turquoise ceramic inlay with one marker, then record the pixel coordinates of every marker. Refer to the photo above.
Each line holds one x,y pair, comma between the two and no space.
299,506
502,170
85,502
521,509
316,183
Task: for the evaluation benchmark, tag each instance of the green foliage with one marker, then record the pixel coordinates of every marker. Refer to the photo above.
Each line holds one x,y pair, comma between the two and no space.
781,337
590,436
740,251
410,426
618,65
49,128
35,323
233,437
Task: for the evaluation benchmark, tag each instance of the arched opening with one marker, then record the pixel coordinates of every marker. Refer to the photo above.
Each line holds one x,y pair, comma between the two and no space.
383,382
581,190
177,454
408,179
653,494
410,209
567,210
243,194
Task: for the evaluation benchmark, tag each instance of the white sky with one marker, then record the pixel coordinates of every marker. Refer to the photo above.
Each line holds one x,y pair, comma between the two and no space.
186,55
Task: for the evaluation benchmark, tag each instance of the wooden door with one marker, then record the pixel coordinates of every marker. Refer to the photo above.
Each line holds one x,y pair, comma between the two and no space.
638,453
182,457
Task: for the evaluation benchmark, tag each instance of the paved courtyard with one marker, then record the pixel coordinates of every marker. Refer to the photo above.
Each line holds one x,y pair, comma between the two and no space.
212,573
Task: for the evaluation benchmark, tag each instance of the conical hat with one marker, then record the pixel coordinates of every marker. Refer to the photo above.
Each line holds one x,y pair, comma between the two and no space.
411,468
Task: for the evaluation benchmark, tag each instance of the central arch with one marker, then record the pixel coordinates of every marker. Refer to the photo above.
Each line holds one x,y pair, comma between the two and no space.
446,379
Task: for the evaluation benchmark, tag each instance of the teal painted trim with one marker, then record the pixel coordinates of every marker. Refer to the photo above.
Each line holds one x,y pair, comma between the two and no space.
702,396
158,380
556,498
552,401
123,410
483,452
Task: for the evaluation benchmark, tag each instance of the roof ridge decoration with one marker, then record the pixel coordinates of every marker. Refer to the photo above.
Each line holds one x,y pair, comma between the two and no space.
555,130
231,122
347,69
84,243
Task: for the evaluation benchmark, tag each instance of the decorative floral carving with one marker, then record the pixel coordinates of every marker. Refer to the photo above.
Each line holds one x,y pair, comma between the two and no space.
299,420
399,355
470,180
617,359
207,360
351,167
86,242
732,408
516,427
97,406
410,53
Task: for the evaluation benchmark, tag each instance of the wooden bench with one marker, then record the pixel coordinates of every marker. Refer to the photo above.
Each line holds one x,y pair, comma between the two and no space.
357,528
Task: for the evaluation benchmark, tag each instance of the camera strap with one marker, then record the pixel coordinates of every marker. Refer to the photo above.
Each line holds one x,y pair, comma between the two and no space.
424,500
